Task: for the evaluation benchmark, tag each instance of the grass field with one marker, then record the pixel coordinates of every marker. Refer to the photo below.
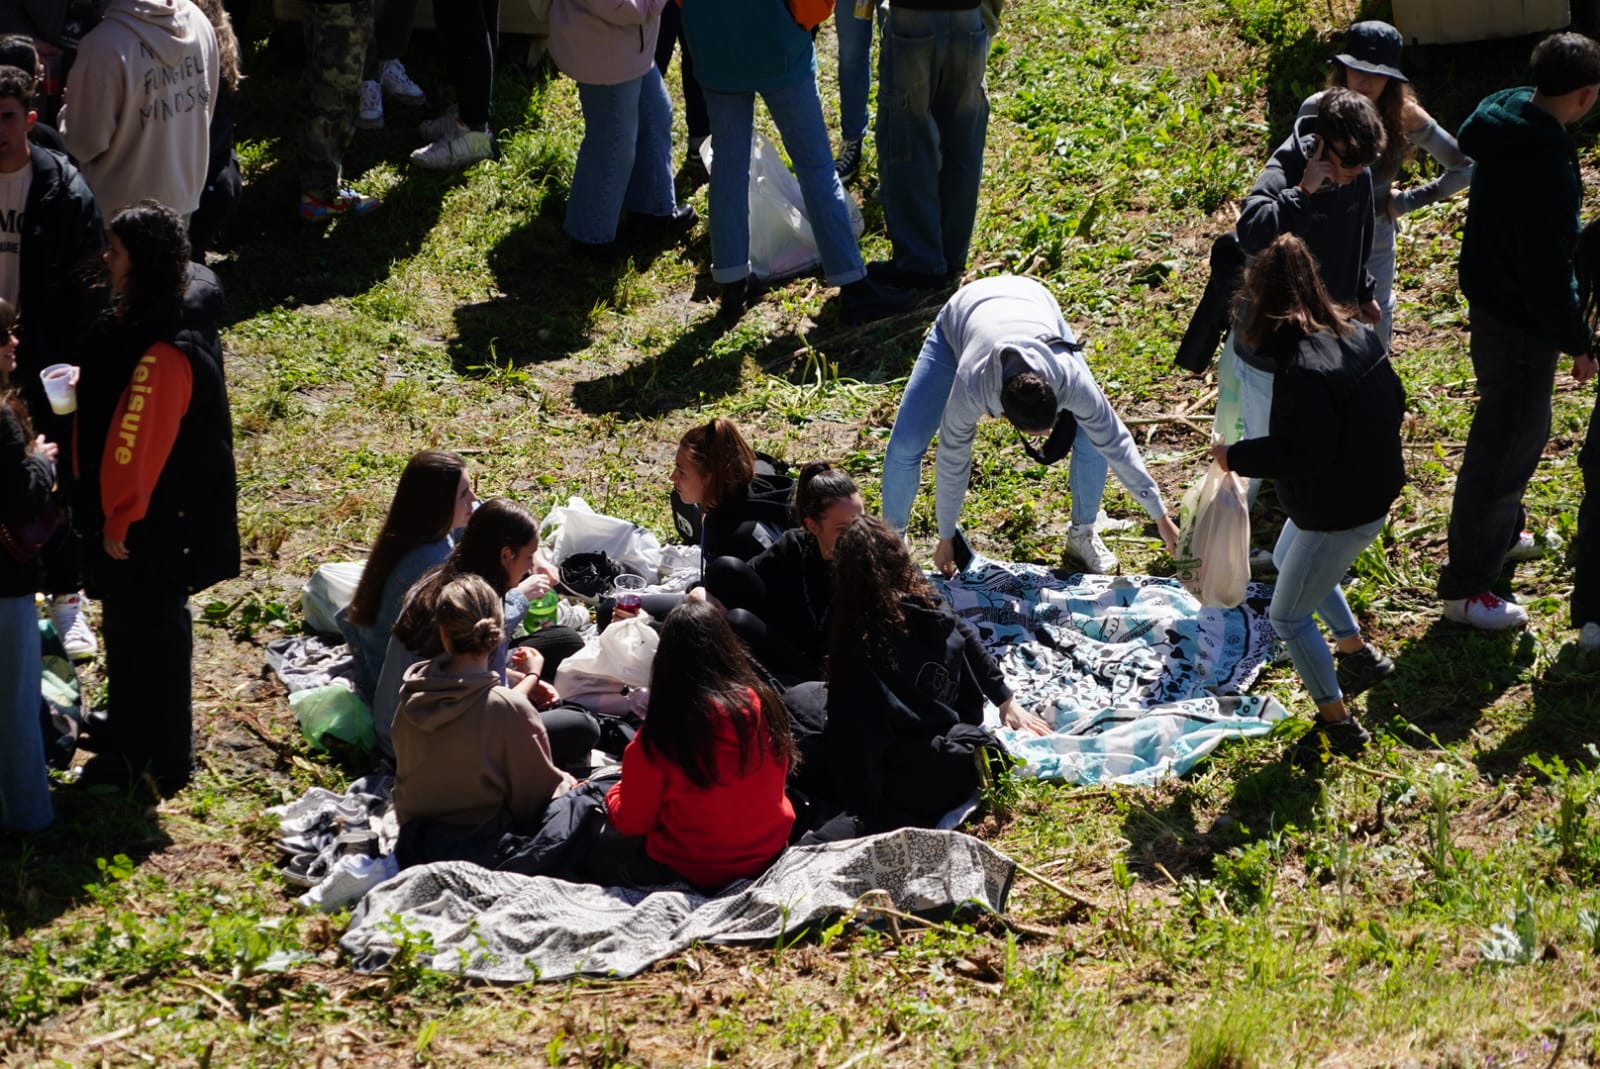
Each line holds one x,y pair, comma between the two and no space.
1433,904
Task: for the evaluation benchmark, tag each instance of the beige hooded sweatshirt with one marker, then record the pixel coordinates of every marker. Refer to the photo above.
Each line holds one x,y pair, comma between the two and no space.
466,748
138,105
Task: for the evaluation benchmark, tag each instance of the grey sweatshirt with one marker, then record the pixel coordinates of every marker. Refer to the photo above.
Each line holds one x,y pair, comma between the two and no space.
1007,312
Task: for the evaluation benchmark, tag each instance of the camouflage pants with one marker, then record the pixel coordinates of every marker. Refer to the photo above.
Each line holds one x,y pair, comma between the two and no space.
336,46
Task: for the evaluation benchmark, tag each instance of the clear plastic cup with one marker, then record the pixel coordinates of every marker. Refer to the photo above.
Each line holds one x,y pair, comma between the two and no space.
60,388
628,591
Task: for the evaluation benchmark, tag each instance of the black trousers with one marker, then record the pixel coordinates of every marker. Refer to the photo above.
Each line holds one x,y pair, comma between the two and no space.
694,101
469,31
148,637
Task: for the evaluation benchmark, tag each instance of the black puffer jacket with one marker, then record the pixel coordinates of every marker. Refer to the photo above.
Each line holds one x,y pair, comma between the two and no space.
190,534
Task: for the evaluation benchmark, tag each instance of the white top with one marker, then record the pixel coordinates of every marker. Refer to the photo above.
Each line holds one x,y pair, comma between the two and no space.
13,199
982,320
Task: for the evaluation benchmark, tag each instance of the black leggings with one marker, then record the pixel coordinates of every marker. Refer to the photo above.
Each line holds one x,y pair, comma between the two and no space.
741,591
469,31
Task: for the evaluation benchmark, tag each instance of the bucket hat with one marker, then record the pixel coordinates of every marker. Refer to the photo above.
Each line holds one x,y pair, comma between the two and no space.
1373,48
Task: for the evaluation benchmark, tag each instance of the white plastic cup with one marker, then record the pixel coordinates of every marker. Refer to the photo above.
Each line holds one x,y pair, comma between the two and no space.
60,389
628,589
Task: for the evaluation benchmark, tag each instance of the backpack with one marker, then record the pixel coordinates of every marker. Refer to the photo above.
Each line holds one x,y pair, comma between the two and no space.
810,13
60,701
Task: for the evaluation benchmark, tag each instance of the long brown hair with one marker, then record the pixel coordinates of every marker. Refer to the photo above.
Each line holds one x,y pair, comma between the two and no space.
228,73
423,506
1391,104
1285,299
10,396
873,578
720,451
498,524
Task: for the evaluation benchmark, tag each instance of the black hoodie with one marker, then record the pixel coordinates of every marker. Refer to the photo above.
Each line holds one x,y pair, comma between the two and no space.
1333,444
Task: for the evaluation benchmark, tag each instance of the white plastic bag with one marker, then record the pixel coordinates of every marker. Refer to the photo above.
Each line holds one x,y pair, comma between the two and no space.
328,592
612,672
1214,540
577,528
781,240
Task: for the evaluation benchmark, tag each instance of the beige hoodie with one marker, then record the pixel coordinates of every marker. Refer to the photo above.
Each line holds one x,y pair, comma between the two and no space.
466,748
138,105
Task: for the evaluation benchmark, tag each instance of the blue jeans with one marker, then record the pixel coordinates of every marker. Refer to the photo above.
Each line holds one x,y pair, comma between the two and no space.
855,67
922,410
24,781
1310,565
1255,407
933,116
625,160
797,112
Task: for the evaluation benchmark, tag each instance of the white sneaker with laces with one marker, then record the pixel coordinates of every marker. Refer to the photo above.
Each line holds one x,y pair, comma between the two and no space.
349,881
398,84
441,125
77,637
1589,637
1486,612
369,107
1083,542
449,153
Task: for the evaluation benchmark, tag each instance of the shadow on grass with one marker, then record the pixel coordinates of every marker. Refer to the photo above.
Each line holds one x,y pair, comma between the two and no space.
1445,679
1561,722
48,873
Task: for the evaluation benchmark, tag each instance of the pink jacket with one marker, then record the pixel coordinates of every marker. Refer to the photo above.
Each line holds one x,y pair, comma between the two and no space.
604,42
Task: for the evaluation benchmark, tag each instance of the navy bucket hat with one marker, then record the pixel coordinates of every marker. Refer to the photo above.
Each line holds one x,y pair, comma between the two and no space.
1373,48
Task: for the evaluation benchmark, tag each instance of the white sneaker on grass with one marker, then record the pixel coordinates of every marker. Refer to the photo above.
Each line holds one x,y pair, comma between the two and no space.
348,882
440,125
458,150
1083,543
1589,637
1486,612
77,637
1530,547
398,84
369,107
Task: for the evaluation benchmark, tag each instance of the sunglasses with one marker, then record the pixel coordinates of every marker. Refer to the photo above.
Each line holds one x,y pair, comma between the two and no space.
1344,159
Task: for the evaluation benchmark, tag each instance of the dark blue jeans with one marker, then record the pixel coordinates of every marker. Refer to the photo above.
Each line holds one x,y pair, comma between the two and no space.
1516,372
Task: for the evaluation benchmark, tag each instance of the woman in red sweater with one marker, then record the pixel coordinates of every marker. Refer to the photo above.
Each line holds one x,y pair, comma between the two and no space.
702,782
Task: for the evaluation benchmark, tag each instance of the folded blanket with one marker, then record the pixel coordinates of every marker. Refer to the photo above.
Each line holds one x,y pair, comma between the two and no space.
503,927
1139,679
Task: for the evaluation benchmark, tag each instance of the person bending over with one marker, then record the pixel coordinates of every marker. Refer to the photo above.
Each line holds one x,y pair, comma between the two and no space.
1001,348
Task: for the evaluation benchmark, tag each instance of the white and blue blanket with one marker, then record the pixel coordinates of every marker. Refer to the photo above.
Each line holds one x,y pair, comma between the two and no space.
1139,680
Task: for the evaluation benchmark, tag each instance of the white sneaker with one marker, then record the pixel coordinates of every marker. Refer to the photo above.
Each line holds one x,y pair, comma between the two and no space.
1529,547
570,614
77,638
369,109
1083,542
1486,612
449,153
349,881
1589,637
398,84
440,126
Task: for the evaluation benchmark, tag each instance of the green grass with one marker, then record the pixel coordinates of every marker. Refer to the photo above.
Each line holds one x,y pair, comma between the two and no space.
1433,904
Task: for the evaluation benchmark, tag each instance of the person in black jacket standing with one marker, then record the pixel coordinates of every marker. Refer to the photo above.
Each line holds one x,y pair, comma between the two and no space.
1333,445
158,493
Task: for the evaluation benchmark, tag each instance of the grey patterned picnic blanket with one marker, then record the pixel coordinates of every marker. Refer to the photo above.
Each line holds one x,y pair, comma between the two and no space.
1139,679
508,928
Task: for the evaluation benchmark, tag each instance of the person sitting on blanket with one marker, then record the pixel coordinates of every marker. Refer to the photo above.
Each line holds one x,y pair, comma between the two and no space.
498,545
472,758
1000,347
702,791
1333,445
907,678
715,468
780,602
434,499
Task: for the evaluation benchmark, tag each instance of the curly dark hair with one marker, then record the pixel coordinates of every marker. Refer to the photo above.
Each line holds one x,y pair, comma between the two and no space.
873,578
157,241
1029,402
18,83
1391,104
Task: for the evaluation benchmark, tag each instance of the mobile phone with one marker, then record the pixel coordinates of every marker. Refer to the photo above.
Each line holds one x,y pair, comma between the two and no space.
961,550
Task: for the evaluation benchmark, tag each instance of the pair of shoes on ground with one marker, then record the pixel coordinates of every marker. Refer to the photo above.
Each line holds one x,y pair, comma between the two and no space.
392,82
347,882
640,227
77,637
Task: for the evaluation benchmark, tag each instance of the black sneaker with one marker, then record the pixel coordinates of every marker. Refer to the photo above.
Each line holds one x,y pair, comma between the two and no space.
604,254
738,297
680,222
1328,739
865,300
1362,670
887,274
848,162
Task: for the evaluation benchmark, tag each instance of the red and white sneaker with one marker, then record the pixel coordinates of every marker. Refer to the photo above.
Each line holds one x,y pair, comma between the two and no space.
1486,612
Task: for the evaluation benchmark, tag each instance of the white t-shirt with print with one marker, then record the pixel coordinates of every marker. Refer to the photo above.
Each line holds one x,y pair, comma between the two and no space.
13,199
